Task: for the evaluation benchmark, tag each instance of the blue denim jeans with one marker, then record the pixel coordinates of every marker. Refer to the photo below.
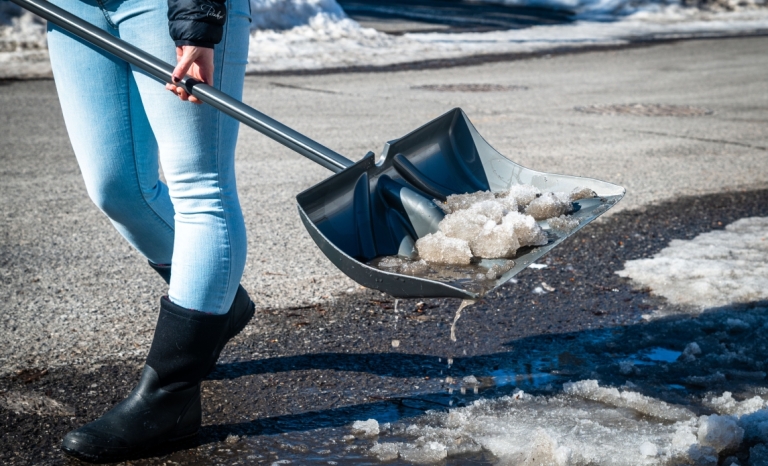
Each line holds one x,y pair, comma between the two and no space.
121,121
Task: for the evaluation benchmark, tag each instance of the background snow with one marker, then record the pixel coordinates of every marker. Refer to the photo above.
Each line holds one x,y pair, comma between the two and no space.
317,34
714,269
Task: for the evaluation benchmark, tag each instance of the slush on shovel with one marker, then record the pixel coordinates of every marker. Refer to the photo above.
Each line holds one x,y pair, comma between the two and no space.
371,210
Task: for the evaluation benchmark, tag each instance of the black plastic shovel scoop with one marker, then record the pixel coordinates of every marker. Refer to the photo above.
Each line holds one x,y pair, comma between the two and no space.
370,208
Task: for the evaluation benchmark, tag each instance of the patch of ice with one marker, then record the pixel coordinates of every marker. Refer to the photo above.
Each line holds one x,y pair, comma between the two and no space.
463,224
456,202
720,432
726,404
386,451
591,390
495,241
579,193
563,224
549,205
523,194
714,269
441,249
369,428
497,270
564,429
525,228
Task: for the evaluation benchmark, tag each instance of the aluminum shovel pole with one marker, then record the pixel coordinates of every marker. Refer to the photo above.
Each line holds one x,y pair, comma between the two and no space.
163,72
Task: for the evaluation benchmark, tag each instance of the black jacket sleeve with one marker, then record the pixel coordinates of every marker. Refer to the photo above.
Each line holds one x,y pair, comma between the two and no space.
196,22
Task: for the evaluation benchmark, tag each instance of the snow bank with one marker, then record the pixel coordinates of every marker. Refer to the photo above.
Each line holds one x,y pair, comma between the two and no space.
610,9
317,34
714,269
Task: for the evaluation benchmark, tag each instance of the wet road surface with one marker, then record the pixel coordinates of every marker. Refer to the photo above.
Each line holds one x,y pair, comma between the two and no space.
292,391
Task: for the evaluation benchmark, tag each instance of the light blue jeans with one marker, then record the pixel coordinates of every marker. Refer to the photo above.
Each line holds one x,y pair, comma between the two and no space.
120,121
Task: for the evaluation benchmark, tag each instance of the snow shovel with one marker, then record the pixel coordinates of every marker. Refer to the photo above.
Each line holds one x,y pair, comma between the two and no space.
374,208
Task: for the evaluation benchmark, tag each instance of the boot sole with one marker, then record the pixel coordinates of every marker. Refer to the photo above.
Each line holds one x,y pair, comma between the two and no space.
163,448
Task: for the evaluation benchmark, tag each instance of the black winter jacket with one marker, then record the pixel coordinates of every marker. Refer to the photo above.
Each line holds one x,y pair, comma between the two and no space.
196,22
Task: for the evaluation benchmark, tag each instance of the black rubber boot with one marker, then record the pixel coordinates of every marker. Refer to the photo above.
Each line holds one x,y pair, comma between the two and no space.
164,408
164,270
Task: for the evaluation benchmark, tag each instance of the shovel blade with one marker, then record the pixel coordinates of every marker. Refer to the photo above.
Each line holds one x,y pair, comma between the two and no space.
374,209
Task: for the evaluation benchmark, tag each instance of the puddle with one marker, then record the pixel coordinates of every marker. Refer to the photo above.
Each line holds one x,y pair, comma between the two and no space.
654,356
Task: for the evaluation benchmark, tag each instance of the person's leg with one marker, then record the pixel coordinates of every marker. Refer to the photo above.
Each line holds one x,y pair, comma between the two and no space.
197,148
111,136
165,405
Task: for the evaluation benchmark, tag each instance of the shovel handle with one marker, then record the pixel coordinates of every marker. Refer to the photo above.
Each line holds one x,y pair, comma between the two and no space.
163,71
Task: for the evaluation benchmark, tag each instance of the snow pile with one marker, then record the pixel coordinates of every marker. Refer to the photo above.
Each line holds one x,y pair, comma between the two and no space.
491,226
317,34
23,48
288,14
714,269
604,10
566,429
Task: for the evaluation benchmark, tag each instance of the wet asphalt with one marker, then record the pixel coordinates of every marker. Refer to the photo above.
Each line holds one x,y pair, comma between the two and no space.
78,305
316,369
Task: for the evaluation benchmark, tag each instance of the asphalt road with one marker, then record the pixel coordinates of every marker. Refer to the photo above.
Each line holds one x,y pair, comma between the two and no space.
77,305
402,16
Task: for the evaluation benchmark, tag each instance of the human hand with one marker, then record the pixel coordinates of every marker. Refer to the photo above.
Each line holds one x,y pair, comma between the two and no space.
197,62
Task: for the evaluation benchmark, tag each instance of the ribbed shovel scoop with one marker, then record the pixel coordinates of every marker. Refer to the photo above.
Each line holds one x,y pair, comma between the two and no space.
376,209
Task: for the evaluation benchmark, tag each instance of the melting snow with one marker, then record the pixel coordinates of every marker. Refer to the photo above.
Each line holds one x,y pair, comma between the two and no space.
316,34
714,269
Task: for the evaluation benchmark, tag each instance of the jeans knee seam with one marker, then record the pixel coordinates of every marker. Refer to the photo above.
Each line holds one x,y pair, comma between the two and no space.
219,122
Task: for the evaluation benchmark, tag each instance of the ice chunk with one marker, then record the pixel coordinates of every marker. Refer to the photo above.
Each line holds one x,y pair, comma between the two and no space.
470,380
755,426
369,428
495,241
497,270
544,451
385,451
683,439
720,432
523,194
581,192
690,352
463,224
591,390
491,209
391,262
649,449
548,205
525,229
725,404
457,202
436,247
431,452
563,224
414,267
509,203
